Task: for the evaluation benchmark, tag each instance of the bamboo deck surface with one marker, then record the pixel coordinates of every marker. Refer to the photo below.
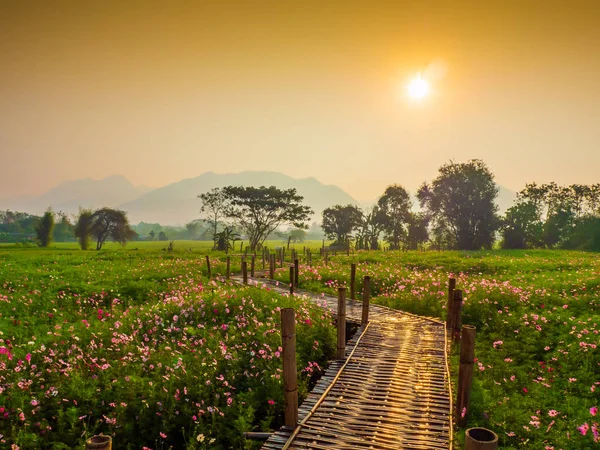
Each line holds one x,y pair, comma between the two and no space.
392,390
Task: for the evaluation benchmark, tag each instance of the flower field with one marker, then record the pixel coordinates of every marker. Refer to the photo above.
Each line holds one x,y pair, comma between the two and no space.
537,313
143,347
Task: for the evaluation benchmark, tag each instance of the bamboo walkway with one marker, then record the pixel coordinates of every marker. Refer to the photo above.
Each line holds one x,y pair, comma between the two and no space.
392,390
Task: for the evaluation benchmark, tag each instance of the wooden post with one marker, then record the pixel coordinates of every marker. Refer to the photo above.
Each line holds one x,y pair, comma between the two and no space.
348,248
252,263
480,439
341,324
99,443
352,281
291,280
282,257
451,287
271,267
309,257
245,271
290,381
208,266
289,239
264,256
465,373
296,271
228,270
326,257
365,299
456,314
241,246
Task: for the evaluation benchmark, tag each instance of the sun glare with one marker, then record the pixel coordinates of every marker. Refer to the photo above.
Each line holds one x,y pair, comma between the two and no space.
418,88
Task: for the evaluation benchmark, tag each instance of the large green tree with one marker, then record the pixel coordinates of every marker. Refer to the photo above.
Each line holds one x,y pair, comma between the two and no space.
44,229
259,211
108,223
395,206
340,221
461,201
522,227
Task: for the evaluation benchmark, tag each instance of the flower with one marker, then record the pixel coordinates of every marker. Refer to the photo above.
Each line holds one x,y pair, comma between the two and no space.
553,413
271,402
200,438
163,435
593,410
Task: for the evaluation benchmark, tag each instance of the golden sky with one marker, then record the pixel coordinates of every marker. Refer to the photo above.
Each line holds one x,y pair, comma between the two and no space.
160,91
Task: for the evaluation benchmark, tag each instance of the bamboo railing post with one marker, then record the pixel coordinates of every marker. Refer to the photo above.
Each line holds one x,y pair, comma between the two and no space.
228,270
365,299
291,280
281,257
264,255
451,287
480,439
252,263
456,314
208,266
352,281
296,271
290,381
99,442
271,266
341,324
465,373
245,271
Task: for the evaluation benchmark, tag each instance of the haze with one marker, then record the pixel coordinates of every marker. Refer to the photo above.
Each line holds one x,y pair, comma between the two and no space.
160,91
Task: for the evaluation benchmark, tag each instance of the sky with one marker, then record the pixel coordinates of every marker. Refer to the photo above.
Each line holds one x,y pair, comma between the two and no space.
161,91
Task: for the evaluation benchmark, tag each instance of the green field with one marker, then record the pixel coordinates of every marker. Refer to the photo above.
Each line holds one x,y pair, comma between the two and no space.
137,342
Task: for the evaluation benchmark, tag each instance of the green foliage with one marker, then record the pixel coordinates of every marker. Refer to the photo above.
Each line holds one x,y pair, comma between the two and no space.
83,228
461,204
340,221
259,211
63,230
522,227
44,229
162,236
395,205
112,224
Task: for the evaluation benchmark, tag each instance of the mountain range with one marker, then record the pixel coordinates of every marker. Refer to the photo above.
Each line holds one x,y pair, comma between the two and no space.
178,203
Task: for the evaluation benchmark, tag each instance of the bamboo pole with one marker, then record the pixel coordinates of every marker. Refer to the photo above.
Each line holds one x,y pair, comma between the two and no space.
451,287
456,314
465,373
271,266
291,280
208,266
252,263
365,299
245,271
99,442
290,381
296,271
228,270
341,324
352,281
480,439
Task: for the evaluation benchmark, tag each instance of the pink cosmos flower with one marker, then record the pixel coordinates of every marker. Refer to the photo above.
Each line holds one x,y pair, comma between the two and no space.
593,410
271,402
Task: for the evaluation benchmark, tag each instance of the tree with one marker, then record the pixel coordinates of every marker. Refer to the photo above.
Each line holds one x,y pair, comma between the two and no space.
461,201
522,226
259,211
298,235
108,223
371,226
83,228
63,230
417,233
44,229
151,235
340,221
214,203
395,205
193,229
162,236
225,239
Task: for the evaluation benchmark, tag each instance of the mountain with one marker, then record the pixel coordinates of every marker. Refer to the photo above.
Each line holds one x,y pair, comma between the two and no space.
69,196
178,203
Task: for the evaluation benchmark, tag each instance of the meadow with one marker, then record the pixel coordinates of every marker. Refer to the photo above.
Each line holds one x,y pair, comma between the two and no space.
138,343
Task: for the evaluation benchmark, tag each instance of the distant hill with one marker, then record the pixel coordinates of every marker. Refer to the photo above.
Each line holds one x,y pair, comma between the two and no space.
178,203
68,196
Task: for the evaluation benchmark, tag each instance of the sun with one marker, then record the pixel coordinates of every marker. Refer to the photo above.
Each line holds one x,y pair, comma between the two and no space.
418,88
